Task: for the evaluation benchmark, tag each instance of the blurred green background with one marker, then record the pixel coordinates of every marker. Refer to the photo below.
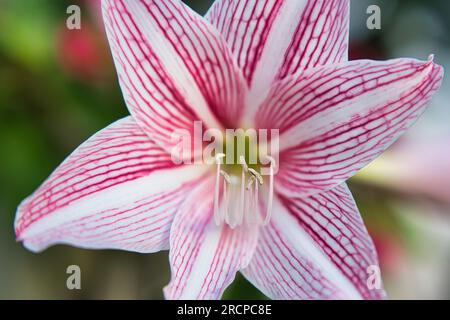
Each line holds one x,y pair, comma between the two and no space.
58,87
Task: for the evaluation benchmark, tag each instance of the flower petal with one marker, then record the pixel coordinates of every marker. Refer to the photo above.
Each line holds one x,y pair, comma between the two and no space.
275,38
204,258
315,248
117,190
334,120
174,67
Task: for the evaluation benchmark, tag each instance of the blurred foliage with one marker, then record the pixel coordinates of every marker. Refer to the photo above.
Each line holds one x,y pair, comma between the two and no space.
58,87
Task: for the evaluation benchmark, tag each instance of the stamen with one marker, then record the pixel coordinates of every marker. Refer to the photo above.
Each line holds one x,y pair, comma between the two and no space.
217,217
240,212
224,212
244,194
243,163
249,202
251,216
251,180
270,199
242,206
232,215
255,209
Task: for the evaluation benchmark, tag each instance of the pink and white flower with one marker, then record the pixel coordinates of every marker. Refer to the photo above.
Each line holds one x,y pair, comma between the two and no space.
259,64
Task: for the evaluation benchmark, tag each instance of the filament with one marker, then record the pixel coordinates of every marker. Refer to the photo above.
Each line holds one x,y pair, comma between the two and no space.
270,197
217,216
243,191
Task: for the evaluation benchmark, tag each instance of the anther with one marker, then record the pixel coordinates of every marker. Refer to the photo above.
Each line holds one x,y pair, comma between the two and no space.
226,176
256,175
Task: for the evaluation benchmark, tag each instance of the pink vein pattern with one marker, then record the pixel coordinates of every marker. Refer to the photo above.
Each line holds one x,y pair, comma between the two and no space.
335,119
319,34
282,272
269,64
334,223
115,157
185,73
205,258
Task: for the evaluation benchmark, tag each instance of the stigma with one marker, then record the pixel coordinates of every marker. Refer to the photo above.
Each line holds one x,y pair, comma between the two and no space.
236,197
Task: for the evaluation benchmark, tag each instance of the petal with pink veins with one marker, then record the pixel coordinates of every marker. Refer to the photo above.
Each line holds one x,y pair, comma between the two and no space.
335,119
275,38
118,190
174,67
315,248
204,257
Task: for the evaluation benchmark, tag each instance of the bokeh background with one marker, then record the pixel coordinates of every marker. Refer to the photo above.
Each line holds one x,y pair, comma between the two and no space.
58,87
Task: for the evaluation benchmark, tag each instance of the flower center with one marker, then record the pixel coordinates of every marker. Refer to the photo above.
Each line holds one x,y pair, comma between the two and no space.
236,196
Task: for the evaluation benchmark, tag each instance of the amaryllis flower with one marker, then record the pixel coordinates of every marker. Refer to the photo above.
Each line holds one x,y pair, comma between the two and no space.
247,64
